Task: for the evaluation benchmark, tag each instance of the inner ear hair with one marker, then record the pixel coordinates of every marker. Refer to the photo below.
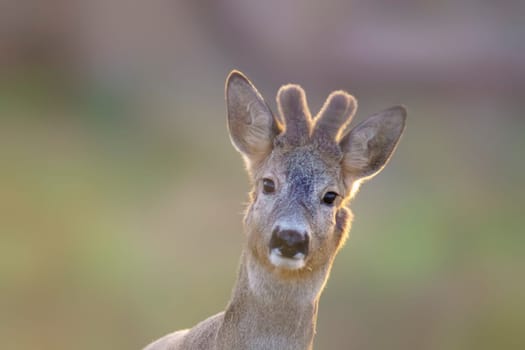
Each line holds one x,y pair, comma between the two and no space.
251,123
368,147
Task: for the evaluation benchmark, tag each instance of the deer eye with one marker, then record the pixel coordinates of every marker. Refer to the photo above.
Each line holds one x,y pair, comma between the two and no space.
329,198
268,186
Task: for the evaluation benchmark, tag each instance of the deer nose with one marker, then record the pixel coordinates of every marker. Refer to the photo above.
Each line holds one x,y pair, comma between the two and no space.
289,243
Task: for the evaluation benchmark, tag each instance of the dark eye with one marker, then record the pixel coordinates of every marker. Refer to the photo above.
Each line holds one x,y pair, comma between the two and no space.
329,198
268,186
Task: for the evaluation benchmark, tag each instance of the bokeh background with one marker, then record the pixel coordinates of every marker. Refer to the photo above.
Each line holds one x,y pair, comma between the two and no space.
121,196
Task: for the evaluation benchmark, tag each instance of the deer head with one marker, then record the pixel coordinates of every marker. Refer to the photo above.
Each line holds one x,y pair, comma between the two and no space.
304,171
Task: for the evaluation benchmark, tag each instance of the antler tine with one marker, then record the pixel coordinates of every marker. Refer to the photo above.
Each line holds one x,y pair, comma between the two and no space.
334,117
291,102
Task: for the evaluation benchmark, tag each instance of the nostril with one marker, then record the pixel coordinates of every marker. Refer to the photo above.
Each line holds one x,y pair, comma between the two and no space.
289,242
291,237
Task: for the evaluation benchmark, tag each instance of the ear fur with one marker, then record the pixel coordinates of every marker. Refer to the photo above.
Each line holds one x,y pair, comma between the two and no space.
251,123
368,147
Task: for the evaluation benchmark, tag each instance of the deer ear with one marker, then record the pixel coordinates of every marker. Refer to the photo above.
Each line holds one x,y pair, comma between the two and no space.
251,123
368,147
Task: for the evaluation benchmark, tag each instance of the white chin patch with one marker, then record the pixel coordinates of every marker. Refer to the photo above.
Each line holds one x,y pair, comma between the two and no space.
295,263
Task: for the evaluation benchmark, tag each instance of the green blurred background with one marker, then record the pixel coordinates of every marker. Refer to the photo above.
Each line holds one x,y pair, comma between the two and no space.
121,196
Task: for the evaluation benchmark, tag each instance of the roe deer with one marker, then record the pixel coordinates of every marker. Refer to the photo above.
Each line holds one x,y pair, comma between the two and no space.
304,171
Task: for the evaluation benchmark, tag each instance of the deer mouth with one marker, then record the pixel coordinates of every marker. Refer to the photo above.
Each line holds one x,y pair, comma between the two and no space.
287,251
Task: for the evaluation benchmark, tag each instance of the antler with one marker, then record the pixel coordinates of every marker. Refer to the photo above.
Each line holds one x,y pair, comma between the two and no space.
334,117
291,102
328,127
331,122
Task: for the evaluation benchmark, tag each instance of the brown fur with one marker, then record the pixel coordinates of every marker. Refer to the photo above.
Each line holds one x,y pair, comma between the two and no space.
274,306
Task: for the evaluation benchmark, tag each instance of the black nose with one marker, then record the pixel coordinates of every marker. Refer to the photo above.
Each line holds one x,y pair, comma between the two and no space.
289,242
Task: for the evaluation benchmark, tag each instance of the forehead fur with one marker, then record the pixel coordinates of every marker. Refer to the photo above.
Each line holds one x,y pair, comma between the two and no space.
303,164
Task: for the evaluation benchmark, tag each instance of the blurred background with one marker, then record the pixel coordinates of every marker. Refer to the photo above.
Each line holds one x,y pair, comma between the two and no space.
121,196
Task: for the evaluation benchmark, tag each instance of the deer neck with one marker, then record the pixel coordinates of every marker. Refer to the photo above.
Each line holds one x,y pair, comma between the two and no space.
267,312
